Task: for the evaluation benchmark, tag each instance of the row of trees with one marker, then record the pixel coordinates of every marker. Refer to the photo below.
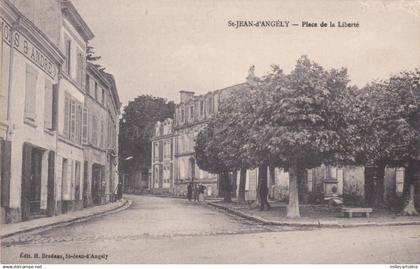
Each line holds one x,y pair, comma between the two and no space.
310,117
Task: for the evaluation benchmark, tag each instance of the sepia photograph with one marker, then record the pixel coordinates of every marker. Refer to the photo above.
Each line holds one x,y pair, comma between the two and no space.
210,132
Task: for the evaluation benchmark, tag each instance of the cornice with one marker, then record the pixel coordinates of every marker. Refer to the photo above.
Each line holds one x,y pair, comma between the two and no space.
76,20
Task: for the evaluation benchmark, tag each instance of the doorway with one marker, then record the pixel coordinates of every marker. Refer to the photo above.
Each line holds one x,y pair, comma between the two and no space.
31,181
96,183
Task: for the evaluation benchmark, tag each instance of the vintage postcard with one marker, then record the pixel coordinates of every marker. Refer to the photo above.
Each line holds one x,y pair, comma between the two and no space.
210,132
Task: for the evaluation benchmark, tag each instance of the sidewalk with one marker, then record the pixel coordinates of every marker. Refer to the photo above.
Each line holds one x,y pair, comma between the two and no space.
315,216
62,220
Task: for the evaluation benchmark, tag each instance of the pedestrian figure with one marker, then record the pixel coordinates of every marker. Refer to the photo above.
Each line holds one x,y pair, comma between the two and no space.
201,192
196,192
119,191
189,191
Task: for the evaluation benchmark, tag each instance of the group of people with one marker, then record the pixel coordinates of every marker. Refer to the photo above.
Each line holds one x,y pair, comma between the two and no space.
195,191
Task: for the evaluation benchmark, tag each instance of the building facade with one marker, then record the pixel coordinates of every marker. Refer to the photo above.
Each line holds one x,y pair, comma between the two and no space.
44,119
191,115
100,145
163,155
30,67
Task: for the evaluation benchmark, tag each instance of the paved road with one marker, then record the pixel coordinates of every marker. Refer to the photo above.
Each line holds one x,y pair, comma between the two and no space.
163,230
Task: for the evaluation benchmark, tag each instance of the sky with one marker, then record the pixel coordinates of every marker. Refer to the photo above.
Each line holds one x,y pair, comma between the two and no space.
160,47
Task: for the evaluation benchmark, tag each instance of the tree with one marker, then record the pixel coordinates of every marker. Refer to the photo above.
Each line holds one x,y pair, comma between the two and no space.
207,148
137,128
304,121
393,138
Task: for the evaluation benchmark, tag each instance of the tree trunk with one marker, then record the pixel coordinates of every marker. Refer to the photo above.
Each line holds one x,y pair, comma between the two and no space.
379,188
227,187
293,207
242,182
409,190
272,181
263,189
233,183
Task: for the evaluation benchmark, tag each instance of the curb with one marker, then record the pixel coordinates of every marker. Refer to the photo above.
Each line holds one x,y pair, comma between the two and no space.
63,223
318,224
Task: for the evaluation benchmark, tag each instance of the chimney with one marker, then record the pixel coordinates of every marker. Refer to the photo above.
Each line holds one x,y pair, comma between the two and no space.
186,96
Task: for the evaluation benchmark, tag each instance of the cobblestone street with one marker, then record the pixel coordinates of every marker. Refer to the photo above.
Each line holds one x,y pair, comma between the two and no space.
165,230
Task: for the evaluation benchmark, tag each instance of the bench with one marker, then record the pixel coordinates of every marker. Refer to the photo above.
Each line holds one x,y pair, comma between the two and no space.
349,211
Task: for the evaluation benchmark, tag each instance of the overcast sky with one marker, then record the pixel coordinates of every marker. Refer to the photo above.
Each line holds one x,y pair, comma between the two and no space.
161,47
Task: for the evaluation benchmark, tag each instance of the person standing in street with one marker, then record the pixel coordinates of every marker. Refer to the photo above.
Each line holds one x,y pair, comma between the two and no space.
189,191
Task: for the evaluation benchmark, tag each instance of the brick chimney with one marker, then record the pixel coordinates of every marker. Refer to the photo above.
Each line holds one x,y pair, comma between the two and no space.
186,96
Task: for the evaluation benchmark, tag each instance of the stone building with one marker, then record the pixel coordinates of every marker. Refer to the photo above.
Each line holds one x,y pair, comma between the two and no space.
163,152
100,145
44,118
191,114
30,67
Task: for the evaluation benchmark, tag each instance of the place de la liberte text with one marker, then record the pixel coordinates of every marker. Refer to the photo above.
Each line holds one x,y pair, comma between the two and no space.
285,24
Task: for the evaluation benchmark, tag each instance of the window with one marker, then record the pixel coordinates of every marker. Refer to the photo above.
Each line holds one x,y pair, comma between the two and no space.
87,84
80,67
210,105
201,108
103,97
67,48
182,115
167,149
96,91
191,112
156,151
73,117
30,92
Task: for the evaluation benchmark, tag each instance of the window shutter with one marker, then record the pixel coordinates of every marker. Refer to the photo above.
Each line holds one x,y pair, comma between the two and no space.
85,126
66,130
102,133
73,120
79,116
80,64
67,44
54,116
30,92
48,105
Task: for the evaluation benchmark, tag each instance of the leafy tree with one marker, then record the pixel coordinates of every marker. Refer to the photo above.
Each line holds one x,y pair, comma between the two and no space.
392,130
207,148
137,128
304,121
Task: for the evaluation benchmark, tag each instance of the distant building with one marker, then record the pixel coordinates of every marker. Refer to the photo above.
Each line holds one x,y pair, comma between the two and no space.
191,115
163,155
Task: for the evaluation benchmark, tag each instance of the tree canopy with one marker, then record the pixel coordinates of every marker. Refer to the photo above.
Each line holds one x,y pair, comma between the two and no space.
137,128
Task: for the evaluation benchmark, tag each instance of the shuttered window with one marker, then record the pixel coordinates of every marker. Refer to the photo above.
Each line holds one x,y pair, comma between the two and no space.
30,92
85,126
48,105
73,119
